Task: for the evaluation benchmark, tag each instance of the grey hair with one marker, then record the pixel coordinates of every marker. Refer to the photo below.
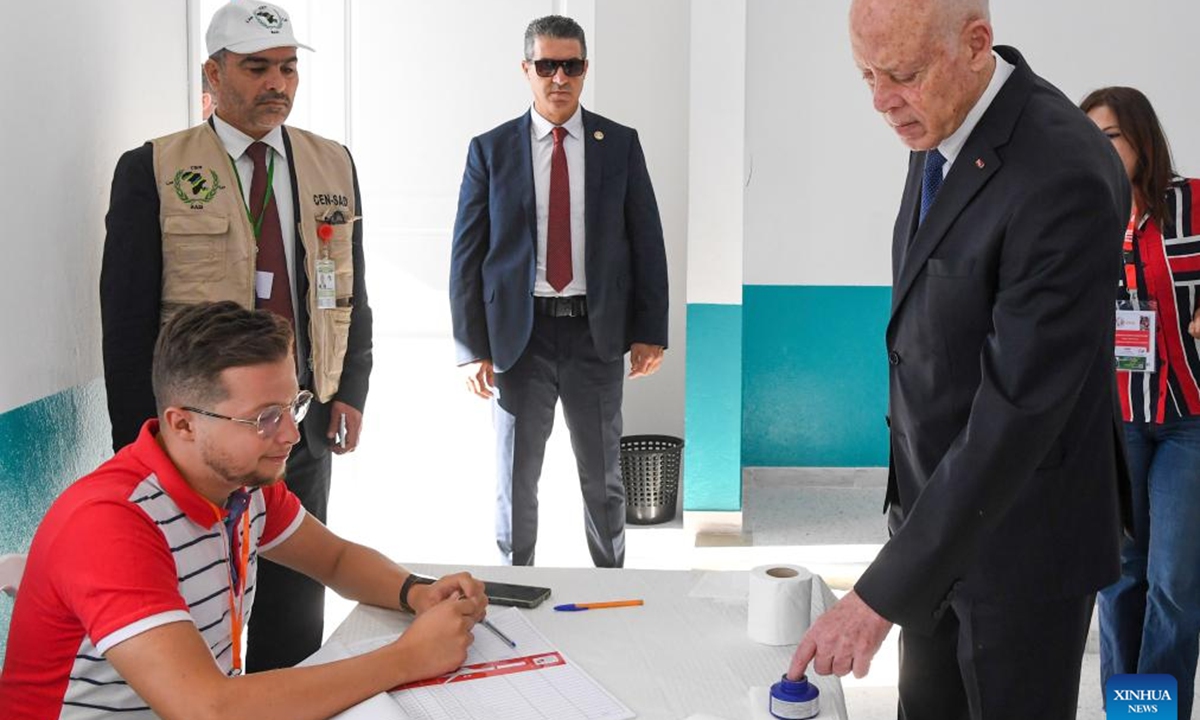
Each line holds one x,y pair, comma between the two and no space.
554,26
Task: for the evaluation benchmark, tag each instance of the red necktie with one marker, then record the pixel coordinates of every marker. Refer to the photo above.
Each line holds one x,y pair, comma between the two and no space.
558,225
271,257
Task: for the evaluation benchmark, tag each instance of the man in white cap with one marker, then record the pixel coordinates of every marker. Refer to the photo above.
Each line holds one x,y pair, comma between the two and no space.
242,208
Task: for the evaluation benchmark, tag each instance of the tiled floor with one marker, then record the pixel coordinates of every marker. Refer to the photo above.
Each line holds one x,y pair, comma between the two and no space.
420,490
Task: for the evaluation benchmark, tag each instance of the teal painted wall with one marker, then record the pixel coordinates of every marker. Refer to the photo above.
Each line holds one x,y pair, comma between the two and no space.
45,446
712,462
815,376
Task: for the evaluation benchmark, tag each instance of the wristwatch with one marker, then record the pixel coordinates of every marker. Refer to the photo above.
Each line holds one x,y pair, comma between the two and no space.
412,579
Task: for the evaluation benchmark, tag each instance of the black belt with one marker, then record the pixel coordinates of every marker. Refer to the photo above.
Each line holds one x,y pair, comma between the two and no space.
573,306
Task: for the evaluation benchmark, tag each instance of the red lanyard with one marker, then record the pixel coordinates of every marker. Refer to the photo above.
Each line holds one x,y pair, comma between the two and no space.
238,596
1130,254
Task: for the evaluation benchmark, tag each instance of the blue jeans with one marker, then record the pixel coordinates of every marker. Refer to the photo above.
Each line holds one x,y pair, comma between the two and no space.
1150,618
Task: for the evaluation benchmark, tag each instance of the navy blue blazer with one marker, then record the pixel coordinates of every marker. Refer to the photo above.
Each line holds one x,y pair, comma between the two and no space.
494,255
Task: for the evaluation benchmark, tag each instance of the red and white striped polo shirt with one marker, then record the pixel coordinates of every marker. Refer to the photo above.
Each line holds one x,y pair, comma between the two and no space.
128,548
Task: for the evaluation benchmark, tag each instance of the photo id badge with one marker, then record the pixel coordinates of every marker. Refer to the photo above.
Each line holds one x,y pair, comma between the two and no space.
263,281
326,284
1135,340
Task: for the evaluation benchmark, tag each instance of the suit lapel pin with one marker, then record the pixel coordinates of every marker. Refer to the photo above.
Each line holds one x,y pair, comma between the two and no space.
598,135
979,163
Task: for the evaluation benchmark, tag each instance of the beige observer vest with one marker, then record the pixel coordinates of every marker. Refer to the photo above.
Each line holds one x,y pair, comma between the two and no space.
208,243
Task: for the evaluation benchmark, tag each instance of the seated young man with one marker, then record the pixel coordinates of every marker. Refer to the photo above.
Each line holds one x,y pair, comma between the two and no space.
140,578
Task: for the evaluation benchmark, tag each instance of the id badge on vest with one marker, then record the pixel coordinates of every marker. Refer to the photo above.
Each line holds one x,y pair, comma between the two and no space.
1137,325
264,280
326,284
325,266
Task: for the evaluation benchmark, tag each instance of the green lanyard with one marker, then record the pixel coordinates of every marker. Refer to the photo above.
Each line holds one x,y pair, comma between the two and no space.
257,223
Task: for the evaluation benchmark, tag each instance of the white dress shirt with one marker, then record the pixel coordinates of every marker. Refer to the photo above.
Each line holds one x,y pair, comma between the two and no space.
236,142
953,145
542,142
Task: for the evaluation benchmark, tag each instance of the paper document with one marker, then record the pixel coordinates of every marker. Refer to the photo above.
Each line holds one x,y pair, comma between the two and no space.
534,681
379,707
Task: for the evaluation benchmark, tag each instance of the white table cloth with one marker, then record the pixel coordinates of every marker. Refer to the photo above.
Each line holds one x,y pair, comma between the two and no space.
685,652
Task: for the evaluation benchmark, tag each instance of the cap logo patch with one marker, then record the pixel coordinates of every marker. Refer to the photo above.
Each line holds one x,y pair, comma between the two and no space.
269,17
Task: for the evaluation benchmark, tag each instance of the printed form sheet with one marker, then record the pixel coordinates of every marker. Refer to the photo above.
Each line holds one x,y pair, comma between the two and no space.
534,681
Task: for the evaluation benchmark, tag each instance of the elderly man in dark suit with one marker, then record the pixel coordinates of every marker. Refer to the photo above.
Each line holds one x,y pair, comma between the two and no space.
558,268
1007,471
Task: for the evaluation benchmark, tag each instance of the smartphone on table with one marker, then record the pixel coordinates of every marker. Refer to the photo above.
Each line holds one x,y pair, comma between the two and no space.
522,596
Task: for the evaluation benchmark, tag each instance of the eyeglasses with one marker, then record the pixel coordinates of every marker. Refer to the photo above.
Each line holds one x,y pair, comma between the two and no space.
547,68
270,420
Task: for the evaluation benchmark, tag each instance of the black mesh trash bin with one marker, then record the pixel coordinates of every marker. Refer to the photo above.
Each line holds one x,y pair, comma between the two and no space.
650,470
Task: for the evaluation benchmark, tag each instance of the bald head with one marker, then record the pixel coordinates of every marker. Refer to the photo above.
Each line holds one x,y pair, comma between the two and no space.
960,9
926,61
942,20
951,16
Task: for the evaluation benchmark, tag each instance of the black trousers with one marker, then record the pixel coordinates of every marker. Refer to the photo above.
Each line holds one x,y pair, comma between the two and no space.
996,661
560,362
288,617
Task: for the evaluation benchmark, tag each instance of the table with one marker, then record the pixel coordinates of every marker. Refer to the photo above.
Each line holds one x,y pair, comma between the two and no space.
685,652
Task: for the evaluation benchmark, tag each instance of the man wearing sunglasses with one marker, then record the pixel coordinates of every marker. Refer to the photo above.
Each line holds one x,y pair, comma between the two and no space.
557,270
243,208
142,574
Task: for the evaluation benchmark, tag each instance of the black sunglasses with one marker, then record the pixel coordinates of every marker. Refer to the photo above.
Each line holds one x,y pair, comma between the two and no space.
547,68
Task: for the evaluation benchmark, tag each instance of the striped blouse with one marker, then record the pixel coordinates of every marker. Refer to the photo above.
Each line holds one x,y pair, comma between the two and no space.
1167,260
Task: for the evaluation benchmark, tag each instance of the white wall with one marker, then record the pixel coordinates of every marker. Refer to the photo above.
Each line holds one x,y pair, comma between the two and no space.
1081,45
642,80
78,90
716,151
826,173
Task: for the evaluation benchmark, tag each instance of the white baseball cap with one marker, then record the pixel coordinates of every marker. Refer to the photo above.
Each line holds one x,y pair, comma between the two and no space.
249,26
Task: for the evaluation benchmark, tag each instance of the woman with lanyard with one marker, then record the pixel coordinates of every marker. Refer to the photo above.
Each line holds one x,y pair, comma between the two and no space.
1150,618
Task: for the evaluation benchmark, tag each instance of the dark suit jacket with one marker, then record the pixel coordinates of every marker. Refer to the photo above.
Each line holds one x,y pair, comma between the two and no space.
494,256
1007,461
130,304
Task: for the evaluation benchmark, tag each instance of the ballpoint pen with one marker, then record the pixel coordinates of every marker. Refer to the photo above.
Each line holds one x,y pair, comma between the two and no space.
575,607
496,631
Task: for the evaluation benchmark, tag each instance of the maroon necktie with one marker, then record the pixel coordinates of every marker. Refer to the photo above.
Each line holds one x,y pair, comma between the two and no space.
271,257
558,226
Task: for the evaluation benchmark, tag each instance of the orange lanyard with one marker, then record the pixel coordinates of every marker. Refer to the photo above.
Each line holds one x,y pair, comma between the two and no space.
238,596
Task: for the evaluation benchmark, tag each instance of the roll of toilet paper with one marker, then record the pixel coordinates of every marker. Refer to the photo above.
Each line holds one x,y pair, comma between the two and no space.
779,605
